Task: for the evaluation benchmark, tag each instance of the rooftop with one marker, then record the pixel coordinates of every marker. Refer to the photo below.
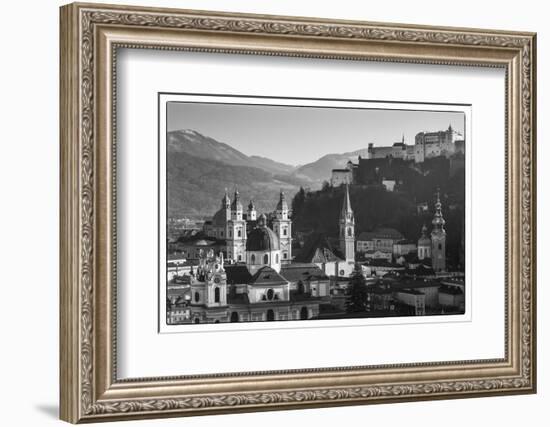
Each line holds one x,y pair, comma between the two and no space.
267,276
317,249
237,274
302,271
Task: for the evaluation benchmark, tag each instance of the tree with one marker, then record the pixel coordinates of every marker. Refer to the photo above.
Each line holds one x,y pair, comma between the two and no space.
359,295
298,202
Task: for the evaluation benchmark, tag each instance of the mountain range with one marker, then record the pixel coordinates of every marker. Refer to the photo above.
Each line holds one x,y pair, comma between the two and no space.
200,169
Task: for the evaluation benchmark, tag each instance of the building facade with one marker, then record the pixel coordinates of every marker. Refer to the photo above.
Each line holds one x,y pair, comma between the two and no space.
434,144
380,239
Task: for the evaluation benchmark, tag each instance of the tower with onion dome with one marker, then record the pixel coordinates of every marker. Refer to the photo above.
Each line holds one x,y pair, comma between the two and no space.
439,237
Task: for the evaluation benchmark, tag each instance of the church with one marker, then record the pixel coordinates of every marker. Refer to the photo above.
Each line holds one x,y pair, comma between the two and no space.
257,279
433,247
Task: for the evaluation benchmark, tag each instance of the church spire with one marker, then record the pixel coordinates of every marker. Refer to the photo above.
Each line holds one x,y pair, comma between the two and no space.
282,205
237,205
346,206
438,221
438,238
225,201
347,229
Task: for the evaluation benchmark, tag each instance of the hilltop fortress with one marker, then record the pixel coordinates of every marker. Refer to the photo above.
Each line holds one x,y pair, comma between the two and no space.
446,143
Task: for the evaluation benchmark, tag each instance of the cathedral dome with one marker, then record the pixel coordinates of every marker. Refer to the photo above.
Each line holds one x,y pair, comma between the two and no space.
262,238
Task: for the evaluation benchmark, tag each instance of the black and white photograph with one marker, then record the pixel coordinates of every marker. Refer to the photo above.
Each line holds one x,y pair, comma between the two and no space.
291,211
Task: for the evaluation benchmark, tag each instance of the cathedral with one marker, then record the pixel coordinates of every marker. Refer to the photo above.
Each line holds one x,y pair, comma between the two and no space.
257,281
236,227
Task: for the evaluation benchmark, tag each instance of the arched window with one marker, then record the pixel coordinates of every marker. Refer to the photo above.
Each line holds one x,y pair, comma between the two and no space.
270,294
252,258
284,231
240,257
277,258
239,233
197,297
266,259
270,315
349,232
217,294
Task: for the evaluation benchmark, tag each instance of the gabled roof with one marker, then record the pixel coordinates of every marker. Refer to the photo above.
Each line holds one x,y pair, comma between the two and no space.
237,274
302,271
317,249
267,276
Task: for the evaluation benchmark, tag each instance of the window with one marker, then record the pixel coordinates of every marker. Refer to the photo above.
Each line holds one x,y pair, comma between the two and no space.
266,259
285,255
439,246
197,297
277,258
239,233
253,258
349,232
240,257
217,294
284,232
270,294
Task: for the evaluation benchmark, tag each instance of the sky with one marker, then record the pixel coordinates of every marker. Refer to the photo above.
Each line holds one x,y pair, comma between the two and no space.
300,135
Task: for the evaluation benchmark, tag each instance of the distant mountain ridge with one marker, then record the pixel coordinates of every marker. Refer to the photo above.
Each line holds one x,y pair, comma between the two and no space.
200,168
320,170
196,144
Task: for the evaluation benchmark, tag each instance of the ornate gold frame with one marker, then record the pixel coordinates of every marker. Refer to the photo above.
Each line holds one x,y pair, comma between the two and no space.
90,34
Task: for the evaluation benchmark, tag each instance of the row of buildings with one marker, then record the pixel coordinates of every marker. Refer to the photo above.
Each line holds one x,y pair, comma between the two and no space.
246,271
389,244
